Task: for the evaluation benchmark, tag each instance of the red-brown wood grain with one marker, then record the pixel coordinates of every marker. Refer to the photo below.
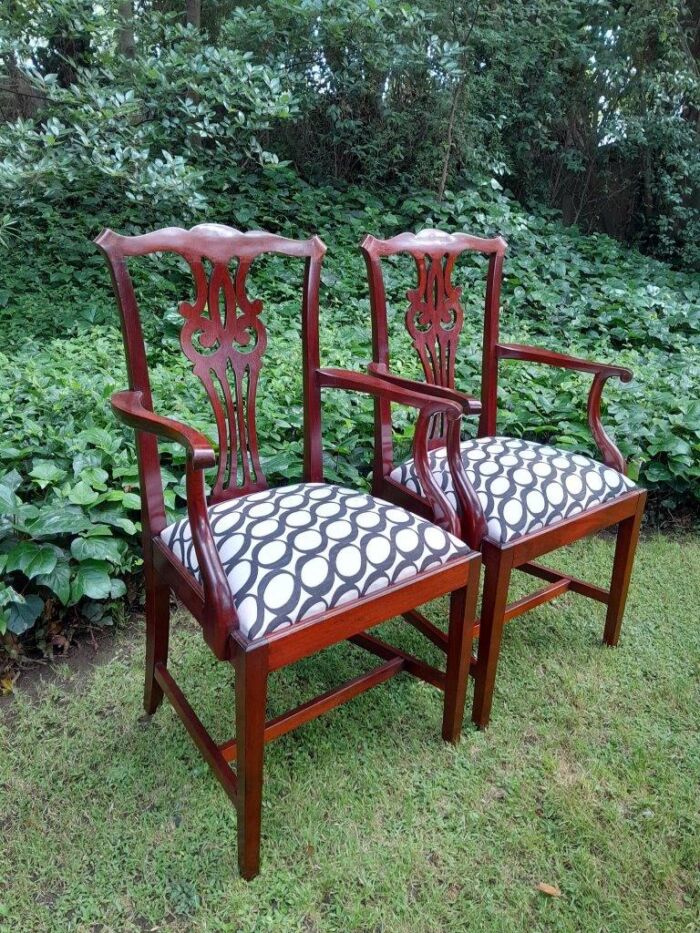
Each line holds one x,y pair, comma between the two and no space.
611,456
434,321
224,338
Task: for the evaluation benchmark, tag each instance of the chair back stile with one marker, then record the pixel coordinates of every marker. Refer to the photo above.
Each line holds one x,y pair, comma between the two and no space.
153,518
434,319
489,365
225,339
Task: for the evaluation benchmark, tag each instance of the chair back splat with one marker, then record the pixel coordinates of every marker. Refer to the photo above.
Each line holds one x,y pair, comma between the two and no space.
224,337
434,317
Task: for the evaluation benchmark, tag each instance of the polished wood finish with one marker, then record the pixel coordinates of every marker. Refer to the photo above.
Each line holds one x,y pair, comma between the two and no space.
497,568
157,635
459,642
434,320
251,696
573,583
533,600
201,738
224,338
307,712
426,627
625,548
429,408
412,665
610,454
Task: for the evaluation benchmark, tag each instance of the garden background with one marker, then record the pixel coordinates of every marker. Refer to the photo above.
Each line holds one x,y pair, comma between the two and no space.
569,127
547,123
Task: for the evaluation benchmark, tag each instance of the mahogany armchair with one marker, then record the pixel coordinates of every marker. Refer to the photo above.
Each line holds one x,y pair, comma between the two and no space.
517,499
275,574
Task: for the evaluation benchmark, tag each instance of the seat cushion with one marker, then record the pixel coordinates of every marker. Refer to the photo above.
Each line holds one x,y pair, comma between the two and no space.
522,486
295,551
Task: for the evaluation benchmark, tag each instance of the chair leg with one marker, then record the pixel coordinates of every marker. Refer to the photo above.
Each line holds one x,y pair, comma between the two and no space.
625,548
251,697
459,655
157,636
498,565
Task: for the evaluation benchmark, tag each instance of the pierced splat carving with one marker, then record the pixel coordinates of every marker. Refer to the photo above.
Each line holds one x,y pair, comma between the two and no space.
435,317
225,339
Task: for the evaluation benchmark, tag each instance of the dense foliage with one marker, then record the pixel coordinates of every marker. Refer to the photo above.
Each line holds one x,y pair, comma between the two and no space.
216,124
589,107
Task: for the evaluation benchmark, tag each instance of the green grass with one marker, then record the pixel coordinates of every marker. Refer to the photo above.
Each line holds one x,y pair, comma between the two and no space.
587,779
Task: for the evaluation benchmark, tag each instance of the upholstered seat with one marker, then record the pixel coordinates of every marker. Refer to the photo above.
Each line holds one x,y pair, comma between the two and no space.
295,551
523,486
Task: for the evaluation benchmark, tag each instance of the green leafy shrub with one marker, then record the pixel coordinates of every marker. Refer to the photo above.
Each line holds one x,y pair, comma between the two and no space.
68,480
182,133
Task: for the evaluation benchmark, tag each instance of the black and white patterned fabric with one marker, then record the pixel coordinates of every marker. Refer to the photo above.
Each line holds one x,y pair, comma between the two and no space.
295,551
522,486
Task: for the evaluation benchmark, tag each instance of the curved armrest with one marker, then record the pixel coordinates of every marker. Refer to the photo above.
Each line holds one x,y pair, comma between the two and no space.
220,611
129,409
612,456
473,520
470,405
518,351
381,388
427,405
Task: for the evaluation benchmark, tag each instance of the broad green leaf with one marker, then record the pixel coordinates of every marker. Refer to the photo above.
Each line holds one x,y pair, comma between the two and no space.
118,588
99,548
58,520
58,580
8,500
100,438
23,513
114,518
83,494
95,477
131,501
86,460
31,559
47,472
98,531
12,480
91,579
22,616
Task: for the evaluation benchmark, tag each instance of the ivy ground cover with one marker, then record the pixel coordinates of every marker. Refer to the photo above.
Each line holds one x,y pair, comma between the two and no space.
69,531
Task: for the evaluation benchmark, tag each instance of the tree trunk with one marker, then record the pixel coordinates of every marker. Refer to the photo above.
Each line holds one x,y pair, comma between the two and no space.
127,43
690,36
193,13
448,142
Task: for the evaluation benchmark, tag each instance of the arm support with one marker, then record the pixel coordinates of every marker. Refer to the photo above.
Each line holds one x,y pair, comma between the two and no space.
220,611
427,406
518,351
469,404
601,373
129,409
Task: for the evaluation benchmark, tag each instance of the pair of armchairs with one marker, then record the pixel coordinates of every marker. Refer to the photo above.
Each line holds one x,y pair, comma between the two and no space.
276,574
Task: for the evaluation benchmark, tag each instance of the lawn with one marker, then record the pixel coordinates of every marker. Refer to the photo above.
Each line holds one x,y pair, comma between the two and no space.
586,780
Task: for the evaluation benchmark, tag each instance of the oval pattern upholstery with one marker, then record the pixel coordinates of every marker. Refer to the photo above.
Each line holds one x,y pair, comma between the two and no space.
292,552
522,485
